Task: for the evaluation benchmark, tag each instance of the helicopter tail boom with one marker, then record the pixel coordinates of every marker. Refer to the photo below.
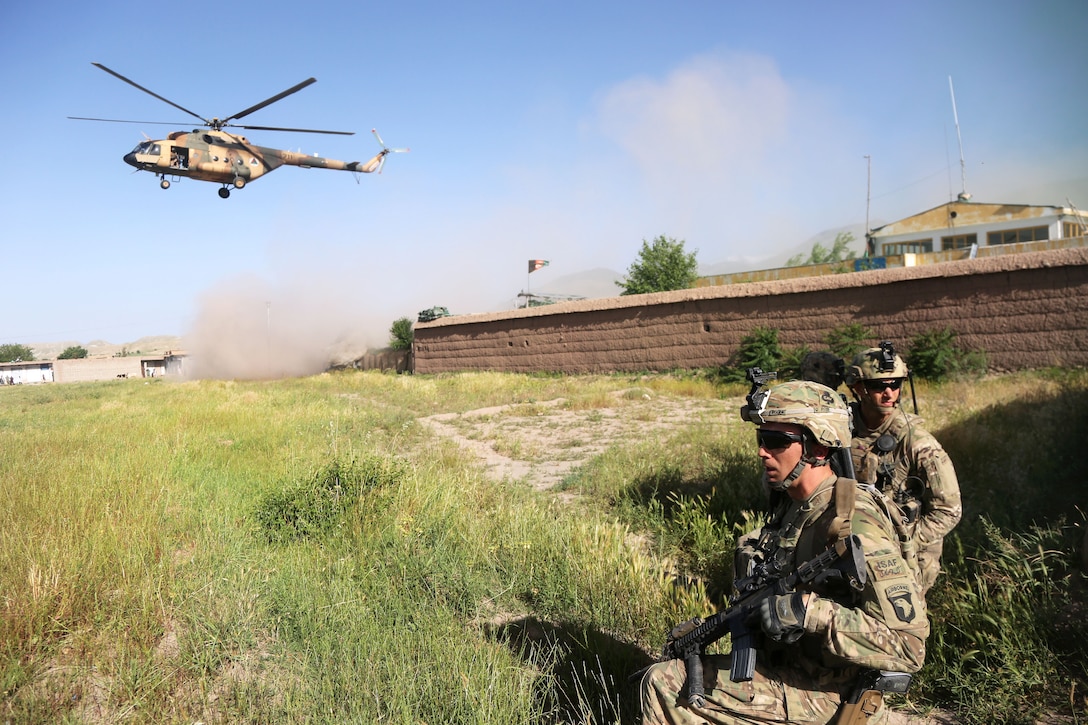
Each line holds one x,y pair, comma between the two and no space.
374,164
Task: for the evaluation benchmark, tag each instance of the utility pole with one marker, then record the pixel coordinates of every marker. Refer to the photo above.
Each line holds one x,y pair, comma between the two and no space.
868,199
868,190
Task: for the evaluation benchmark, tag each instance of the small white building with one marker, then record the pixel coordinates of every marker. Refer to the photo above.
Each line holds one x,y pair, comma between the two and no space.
24,373
88,369
962,224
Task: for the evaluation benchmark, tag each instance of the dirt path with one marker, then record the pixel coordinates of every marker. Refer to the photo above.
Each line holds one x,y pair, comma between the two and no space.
541,443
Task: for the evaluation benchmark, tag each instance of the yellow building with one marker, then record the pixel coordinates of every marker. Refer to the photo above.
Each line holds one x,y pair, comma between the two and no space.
965,225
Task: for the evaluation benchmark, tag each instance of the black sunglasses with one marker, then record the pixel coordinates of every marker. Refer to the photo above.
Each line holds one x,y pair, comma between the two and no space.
877,386
776,440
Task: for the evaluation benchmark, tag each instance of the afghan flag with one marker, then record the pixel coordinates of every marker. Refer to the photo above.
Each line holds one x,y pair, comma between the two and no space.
535,264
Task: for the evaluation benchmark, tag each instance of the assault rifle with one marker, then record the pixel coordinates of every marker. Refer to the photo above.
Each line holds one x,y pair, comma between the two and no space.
844,560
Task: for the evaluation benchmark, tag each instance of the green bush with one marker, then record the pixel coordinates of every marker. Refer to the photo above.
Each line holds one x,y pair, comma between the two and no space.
848,340
789,367
317,506
934,355
759,348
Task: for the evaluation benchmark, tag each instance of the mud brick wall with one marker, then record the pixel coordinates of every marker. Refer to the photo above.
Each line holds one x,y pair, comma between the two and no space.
1024,310
88,369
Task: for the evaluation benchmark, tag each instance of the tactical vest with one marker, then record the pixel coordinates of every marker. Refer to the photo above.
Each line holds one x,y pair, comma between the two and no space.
799,531
796,533
886,462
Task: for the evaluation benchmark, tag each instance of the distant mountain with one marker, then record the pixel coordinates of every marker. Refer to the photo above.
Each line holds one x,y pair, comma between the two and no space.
145,346
826,239
1055,193
591,284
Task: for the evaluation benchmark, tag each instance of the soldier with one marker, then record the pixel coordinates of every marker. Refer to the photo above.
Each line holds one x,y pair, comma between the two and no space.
823,367
892,451
819,640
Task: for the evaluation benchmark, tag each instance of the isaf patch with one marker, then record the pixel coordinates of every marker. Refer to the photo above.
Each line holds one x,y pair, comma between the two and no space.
888,567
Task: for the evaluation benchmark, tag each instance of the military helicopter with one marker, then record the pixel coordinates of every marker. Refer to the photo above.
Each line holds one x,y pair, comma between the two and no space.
223,157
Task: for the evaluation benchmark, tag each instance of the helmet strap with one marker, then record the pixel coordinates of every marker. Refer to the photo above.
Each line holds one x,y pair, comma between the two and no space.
794,475
807,458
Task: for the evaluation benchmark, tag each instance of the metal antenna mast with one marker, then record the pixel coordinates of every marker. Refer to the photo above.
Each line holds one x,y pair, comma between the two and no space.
964,196
868,191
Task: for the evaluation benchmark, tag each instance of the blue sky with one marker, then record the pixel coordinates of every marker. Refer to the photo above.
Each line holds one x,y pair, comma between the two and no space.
563,131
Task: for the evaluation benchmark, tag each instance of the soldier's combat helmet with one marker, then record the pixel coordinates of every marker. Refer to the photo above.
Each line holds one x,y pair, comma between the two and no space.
876,363
818,408
823,367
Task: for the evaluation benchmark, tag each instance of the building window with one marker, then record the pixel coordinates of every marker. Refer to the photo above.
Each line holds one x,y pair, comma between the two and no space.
918,247
959,241
1015,236
1072,229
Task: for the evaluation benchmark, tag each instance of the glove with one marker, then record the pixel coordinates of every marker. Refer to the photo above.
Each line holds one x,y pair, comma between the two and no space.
782,617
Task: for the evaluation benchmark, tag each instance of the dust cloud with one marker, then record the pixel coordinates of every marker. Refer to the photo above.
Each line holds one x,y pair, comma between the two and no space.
249,328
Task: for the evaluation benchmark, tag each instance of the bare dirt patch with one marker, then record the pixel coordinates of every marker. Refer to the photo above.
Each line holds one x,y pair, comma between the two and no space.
542,443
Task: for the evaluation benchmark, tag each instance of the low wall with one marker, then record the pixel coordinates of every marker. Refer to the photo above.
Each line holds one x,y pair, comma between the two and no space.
1025,311
106,368
399,361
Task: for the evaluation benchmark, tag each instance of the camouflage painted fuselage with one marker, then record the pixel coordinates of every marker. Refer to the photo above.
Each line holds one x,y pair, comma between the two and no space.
220,157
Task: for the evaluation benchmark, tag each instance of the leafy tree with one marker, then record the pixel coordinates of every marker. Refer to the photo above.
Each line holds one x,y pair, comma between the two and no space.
73,353
12,352
401,334
662,265
840,251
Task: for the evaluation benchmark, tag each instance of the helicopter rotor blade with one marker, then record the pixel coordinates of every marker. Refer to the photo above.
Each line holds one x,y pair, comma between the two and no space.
386,148
299,130
273,99
122,120
115,74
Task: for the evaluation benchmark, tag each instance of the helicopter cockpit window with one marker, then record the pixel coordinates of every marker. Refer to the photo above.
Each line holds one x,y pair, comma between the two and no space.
146,147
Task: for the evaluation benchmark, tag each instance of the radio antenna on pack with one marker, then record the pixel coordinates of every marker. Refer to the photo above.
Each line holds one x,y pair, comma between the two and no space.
963,196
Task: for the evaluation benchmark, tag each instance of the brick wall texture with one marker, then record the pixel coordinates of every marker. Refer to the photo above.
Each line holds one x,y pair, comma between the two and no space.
1024,310
105,368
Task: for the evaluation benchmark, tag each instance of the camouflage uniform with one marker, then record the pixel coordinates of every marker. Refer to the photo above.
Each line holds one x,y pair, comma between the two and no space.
907,463
845,632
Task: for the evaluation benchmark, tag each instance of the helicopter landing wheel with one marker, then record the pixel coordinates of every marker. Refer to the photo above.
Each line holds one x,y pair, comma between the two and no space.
164,184
239,182
224,193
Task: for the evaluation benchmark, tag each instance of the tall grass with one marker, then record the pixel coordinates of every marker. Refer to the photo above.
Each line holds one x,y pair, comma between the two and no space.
305,551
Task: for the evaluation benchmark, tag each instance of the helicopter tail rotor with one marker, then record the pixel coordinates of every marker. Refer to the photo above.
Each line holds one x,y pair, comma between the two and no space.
385,150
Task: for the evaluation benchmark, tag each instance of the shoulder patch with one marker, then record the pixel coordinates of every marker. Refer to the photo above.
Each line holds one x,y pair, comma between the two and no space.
890,566
902,600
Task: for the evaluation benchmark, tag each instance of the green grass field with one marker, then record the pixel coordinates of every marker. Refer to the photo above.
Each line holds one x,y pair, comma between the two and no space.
306,551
